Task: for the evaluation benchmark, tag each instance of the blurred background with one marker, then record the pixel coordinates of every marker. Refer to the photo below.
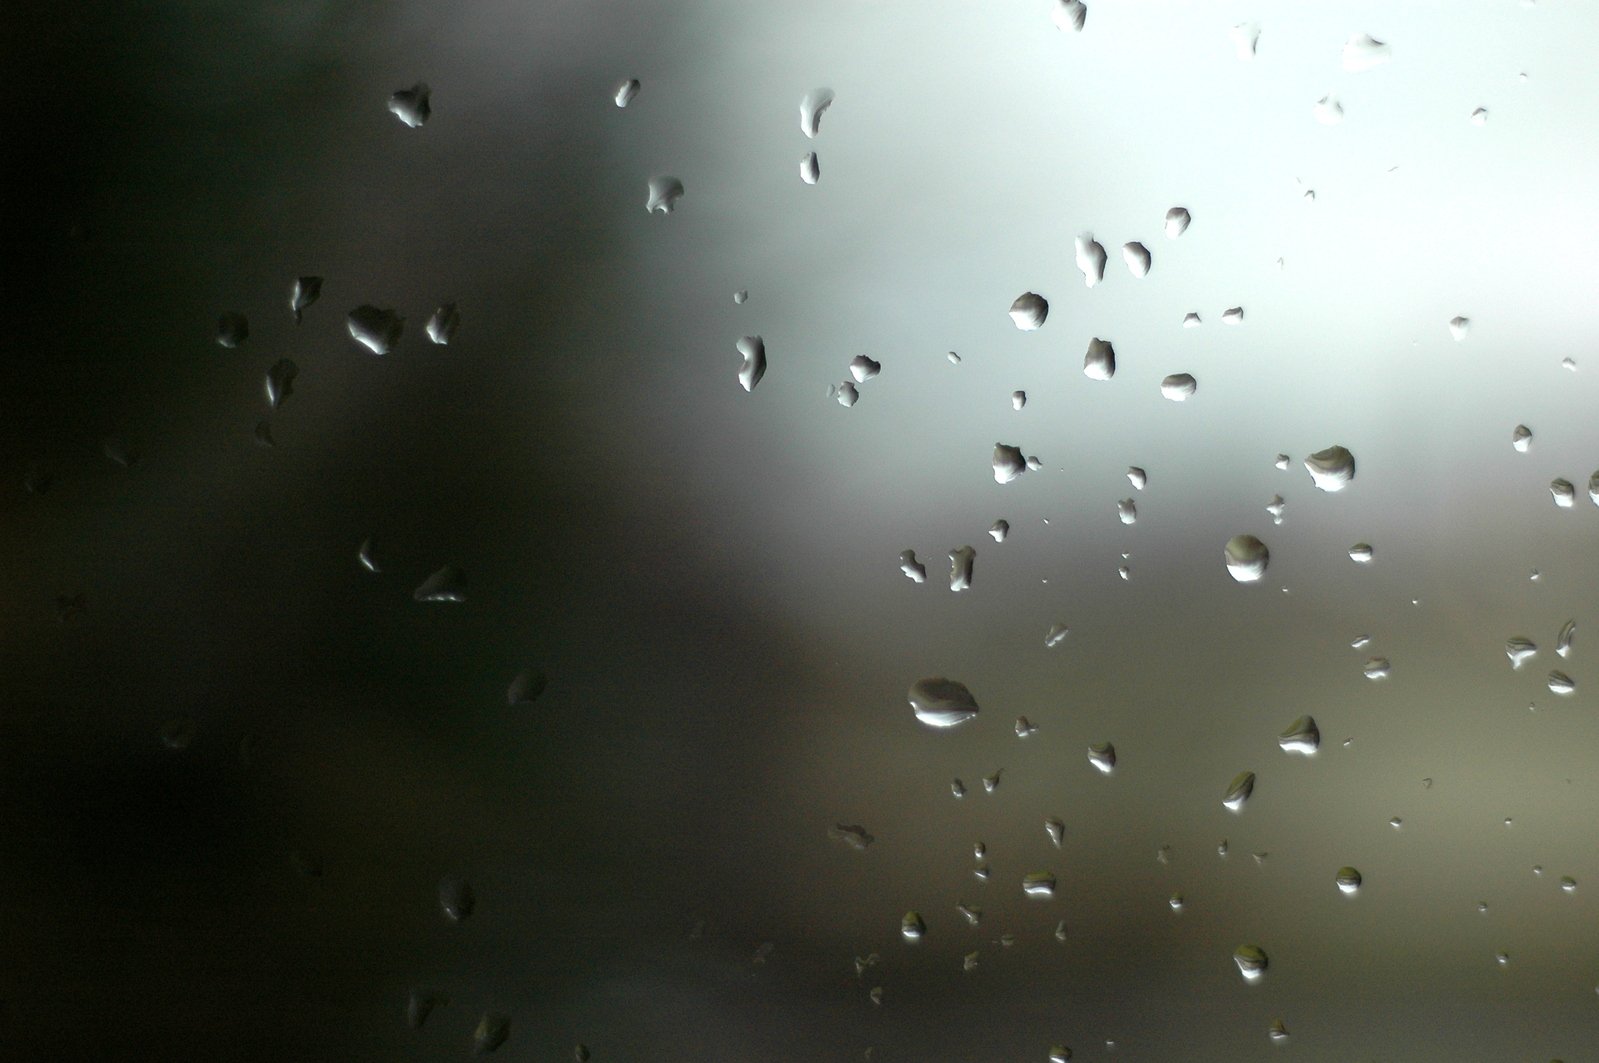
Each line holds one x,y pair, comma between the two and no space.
241,775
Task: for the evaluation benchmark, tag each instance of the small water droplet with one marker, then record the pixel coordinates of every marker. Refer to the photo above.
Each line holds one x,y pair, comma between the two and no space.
456,898
846,393
525,687
753,350
1176,902
1178,387
741,296
1563,493
442,325
1593,488
663,193
1238,791
1025,728
1191,320
1069,15
851,834
1221,849
1233,315
1302,736
1360,642
412,106
626,91
280,381
914,570
1100,361
940,702
306,291
1561,683
1278,1032
1459,328
1060,931
1127,511
1479,117
812,107
491,1032
1568,884
375,329
991,782
1520,650
1502,958
1038,884
1091,259
1060,1054
232,329
419,1005
863,368
1377,668
1008,463
1056,635
1177,222
1247,558
810,168
911,928
1138,259
954,359
1280,462
1348,880
1328,110
1018,400
1245,37
1137,477
1102,755
1276,507
1396,823
263,434
1569,364
1362,52
1252,962
1568,631
1000,529
957,788
1521,438
1361,553
1056,831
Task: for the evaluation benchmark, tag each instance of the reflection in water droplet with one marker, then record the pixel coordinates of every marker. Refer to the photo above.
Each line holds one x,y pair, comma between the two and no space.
1568,631
1246,37
626,91
912,928
1100,361
280,381
1008,463
442,325
306,291
999,530
960,568
664,192
1363,52
753,350
1252,962
1328,110
940,702
810,168
1459,327
851,834
1302,736
1029,310
1563,493
1377,668
1521,438
1332,469
232,330
1238,791
1561,683
1090,259
1039,884
491,1032
811,109
1502,958
412,106
526,687
1177,221
1102,755
914,570
1360,553
1280,461
375,329
1138,259
863,368
1056,635
1127,511
1025,728
1246,558
1520,650
1348,880
1069,15
456,898
1396,823
1178,387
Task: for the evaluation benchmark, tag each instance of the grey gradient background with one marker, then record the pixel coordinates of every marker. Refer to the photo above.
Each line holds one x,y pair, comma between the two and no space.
709,578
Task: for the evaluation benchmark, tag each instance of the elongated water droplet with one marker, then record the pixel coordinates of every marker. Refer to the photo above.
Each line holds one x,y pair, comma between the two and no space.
491,1032
1247,558
526,687
1332,469
1090,259
663,193
1056,831
1238,791
1563,493
1245,37
1056,635
1361,553
626,91
863,368
911,928
960,568
1348,880
306,291
1520,650
1191,320
1328,110
1069,15
1568,631
753,350
1038,884
1060,931
448,584
1178,387
1177,221
1100,361
1138,259
1102,755
280,381
442,325
232,329
1561,683
1377,668
811,109
940,702
1362,52
1459,328
119,451
375,329
364,556
1018,400
1008,463
456,898
1593,488
914,570
412,106
851,834
1029,310
810,168
1302,736
1233,315
1252,962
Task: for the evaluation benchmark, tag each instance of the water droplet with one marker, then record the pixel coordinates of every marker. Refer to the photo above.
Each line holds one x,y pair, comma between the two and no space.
1127,511
442,325
1233,315
1102,755
1280,462
1137,477
412,105
263,434
1008,463
914,570
810,168
1025,728
1276,507
375,329
991,782
1568,631
1459,328
1302,736
1018,400
1348,881
420,1005
1221,850
811,109
954,359
1069,15
1360,553
1377,668
1245,37
1569,364
232,329
1360,642
663,193
969,962
1100,361
1177,221
1396,823
1060,931
1038,884
1537,869
846,393
1479,117
863,368
1278,1032
1252,962
1090,259
1482,907
580,1053
1238,791
1029,310
119,451
1568,884
1176,902
1593,488
448,584
960,568
1363,52
1060,1054
306,291
526,687
1331,469
491,1032
940,702
1191,320
957,788
1138,259
1564,495
973,916
741,296
1561,683
851,834
981,872
364,556
1520,650
753,350
1502,958
999,530
1056,831
626,91
912,928
179,733
1246,558
456,898
1056,635
280,381
1178,387
1328,110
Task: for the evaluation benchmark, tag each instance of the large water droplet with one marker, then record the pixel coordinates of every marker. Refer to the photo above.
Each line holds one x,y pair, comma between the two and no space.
1090,259
810,168
1238,791
863,368
626,91
442,325
1561,683
1348,880
1008,463
846,393
911,928
412,106
1102,755
1178,387
1331,469
1246,558
1137,477
1138,259
753,350
1100,361
232,329
1252,962
280,381
1361,553
306,291
1177,221
1362,52
960,568
375,329
1127,511
1029,310
448,584
1069,15
914,570
940,702
1302,736
663,194
811,109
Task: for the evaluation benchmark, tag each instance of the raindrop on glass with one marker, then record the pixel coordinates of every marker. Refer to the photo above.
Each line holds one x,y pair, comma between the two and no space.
1038,884
1363,52
525,687
232,329
863,368
1520,650
1360,553
1331,469
1029,310
1137,477
306,291
1479,117
753,350
1191,320
1178,387
1100,361
1018,400
810,169
1069,15
960,568
412,105
911,928
442,325
1252,962
1177,220
1521,438
1138,259
1238,791
851,834
1561,683
940,702
1302,736
448,584
999,530
914,570
991,782
1459,327
1090,259
456,899
811,109
1377,668
1568,631
1328,110
1008,463
1563,493
626,91
1025,728
1056,831
280,381
491,1032
1245,37
1348,880
663,194
375,329
1246,558
1127,511
1056,635
1102,755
